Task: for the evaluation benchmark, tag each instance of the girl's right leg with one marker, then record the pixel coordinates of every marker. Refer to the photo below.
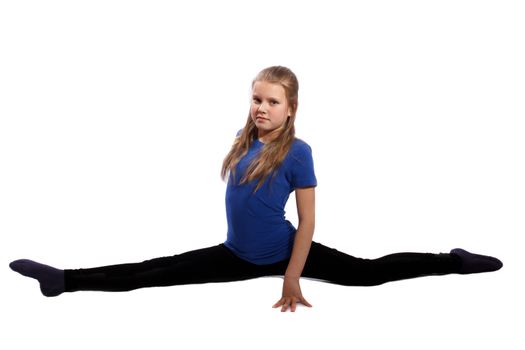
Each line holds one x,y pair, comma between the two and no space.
212,264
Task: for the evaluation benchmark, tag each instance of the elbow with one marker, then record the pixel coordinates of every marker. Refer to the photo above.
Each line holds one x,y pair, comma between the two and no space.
307,224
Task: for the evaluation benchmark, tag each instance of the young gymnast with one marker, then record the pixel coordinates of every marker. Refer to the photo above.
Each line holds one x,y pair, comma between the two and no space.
264,165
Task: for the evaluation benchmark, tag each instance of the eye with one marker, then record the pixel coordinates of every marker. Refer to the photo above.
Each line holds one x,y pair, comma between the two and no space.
274,102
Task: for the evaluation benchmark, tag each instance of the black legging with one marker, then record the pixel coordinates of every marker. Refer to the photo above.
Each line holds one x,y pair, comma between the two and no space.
219,264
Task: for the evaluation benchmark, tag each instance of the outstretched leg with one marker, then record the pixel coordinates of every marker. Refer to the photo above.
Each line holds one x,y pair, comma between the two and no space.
337,267
212,264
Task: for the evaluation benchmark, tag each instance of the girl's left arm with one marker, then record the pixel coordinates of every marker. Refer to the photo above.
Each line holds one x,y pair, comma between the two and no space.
305,198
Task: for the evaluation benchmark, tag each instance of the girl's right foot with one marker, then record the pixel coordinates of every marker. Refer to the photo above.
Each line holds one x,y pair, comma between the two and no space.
51,279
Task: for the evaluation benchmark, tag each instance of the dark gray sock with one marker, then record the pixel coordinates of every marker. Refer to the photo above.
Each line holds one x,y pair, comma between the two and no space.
51,280
476,263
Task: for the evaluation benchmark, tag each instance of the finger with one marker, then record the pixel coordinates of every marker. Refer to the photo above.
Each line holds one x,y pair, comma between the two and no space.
285,305
279,303
276,304
294,305
304,302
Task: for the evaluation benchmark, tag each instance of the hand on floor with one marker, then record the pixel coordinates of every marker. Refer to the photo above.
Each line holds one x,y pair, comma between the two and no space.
291,295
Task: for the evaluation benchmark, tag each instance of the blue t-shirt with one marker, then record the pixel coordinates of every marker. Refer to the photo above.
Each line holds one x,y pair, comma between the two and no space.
257,228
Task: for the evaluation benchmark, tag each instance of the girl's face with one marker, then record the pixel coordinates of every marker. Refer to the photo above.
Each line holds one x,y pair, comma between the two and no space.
269,107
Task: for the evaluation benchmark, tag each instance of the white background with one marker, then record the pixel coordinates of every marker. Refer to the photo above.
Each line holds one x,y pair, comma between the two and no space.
116,116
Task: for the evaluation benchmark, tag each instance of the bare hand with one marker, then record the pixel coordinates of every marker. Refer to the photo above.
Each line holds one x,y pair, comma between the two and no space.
291,295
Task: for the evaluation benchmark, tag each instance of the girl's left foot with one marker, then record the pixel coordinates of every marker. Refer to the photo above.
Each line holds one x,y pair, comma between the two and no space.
475,263
51,280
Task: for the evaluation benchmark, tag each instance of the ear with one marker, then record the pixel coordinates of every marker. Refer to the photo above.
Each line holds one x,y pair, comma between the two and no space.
290,108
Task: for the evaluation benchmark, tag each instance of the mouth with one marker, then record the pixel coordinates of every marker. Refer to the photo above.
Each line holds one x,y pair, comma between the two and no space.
260,119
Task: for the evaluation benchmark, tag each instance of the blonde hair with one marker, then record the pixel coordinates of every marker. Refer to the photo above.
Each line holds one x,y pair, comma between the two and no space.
274,151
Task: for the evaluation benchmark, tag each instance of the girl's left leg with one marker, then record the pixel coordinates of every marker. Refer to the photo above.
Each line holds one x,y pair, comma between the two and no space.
334,266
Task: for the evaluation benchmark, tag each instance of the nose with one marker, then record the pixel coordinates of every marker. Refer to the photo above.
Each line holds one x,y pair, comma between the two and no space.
261,108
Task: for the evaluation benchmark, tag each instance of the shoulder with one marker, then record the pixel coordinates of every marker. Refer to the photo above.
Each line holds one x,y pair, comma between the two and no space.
300,146
300,151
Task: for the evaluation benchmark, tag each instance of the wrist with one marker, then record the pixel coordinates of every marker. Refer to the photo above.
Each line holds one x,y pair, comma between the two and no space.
291,277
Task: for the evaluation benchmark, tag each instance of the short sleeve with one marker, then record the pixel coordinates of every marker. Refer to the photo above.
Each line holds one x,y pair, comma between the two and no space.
303,174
